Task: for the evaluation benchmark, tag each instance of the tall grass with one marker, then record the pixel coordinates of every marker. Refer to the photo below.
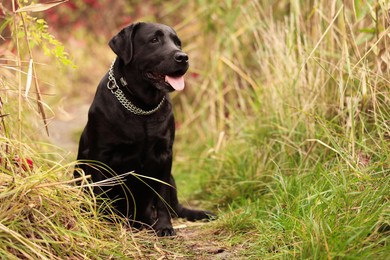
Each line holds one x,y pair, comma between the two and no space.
293,106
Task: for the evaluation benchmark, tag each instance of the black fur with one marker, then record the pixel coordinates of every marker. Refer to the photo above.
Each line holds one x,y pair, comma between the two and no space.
141,143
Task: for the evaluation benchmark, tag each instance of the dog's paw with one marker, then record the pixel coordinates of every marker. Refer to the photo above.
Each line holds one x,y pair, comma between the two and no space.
165,232
203,215
195,215
209,215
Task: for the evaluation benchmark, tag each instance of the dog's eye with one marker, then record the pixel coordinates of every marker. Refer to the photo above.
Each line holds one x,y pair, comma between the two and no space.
177,42
154,40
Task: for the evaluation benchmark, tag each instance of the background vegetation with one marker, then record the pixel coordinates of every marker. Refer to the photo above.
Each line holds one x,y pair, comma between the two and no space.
283,128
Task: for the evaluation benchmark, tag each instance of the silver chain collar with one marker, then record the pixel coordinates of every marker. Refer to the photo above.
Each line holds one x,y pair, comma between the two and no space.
121,96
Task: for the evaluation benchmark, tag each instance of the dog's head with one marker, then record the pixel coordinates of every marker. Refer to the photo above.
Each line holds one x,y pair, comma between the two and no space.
155,51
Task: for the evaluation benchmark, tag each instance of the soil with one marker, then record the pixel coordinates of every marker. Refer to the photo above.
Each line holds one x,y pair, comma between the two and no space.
198,241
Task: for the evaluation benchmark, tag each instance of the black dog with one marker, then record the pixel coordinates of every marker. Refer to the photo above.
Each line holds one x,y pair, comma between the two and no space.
131,126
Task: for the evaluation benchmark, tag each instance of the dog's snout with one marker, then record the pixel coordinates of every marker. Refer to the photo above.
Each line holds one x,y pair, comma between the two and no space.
181,57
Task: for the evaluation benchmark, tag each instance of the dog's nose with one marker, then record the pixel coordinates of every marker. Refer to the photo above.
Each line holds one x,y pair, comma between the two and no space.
181,57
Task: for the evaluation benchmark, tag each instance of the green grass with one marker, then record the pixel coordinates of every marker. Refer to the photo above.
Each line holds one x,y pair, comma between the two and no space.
283,130
303,163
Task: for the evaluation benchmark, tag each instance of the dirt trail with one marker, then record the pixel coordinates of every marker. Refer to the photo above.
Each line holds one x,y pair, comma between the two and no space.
197,241
66,125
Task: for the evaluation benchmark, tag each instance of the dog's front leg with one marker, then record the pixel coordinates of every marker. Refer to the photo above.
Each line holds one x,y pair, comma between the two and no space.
163,224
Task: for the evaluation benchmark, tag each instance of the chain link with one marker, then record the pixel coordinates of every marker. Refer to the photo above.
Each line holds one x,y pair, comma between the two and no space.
122,98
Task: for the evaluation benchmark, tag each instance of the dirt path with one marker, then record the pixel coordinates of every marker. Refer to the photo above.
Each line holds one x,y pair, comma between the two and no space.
198,241
66,126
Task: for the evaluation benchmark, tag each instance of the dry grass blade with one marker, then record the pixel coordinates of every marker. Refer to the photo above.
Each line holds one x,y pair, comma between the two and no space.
25,242
115,180
239,71
322,38
38,90
40,7
53,184
375,45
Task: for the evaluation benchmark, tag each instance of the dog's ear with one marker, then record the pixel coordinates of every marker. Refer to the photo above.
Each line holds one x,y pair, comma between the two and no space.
122,43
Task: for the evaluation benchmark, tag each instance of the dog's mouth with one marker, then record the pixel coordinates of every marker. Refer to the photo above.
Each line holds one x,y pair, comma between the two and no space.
175,80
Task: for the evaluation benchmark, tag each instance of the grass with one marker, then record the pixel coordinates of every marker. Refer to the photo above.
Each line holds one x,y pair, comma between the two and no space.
303,112
283,130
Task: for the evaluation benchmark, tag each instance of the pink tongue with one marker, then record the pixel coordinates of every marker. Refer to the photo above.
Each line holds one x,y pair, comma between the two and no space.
176,83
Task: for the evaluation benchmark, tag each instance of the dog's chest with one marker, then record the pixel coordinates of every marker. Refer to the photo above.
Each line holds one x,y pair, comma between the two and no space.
149,140
146,130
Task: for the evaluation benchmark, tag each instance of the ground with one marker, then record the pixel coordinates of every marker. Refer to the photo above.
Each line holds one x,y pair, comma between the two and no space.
197,241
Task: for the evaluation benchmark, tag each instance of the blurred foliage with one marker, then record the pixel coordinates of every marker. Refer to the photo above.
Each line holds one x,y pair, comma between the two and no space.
97,17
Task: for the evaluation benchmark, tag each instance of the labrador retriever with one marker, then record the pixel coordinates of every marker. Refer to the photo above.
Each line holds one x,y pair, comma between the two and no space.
131,127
